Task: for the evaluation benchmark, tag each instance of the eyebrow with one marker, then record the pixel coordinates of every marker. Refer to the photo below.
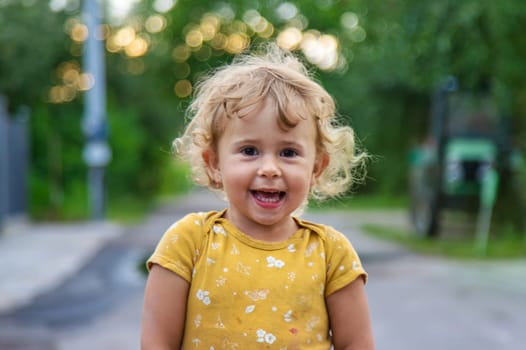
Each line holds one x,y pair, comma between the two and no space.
293,144
285,143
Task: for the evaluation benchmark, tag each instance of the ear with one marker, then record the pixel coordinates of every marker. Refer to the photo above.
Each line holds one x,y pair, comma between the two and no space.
321,163
212,165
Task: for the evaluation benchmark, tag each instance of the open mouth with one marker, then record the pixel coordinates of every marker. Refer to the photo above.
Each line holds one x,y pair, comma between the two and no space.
268,196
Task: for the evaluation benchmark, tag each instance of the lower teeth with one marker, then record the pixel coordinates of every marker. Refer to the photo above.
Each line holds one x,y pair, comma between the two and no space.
268,198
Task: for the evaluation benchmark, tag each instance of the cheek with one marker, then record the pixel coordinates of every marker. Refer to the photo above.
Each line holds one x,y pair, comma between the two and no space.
235,175
303,178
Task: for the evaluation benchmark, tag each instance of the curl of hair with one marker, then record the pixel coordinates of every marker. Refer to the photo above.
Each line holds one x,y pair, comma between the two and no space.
228,91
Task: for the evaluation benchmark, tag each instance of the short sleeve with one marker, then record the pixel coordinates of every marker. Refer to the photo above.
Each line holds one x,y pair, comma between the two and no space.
179,247
343,263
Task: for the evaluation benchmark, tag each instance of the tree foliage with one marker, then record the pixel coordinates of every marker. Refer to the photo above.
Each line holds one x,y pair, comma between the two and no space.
394,53
389,57
31,45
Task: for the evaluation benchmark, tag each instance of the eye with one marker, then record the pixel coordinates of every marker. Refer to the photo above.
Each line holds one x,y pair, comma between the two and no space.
288,153
249,151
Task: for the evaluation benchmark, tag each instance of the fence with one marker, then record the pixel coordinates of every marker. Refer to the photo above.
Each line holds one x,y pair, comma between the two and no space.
14,162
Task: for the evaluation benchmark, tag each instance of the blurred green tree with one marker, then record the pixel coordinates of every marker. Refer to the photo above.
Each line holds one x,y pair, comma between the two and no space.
32,44
380,60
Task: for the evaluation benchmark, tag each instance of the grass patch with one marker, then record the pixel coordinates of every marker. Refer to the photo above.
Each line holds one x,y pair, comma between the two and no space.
129,210
175,181
176,178
505,246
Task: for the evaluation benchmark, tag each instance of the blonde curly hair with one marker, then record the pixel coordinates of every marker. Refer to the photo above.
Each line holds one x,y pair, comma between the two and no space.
276,74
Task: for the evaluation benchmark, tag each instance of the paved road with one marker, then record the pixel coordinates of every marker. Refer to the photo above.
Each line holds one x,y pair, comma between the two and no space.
417,302
422,302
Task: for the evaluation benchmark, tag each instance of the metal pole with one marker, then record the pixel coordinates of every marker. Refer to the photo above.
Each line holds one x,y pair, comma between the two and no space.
488,194
4,171
96,152
18,158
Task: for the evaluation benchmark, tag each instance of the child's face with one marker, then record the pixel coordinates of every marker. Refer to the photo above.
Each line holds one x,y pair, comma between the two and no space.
266,172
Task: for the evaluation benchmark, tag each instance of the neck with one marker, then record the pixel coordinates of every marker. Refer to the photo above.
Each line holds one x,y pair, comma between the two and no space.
277,232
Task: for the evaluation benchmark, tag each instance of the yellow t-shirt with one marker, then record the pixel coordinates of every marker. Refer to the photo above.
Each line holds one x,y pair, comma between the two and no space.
250,294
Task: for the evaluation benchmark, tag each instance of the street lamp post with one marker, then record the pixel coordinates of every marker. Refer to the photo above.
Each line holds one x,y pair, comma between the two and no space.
96,153
4,175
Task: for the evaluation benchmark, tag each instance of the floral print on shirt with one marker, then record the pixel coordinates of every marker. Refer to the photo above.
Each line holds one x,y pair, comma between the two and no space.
249,294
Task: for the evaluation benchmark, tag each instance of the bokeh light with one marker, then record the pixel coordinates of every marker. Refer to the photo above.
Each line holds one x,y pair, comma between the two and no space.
105,31
163,6
71,77
210,25
321,49
252,18
267,32
226,12
86,81
301,22
79,32
290,38
57,5
237,43
181,53
286,11
182,70
194,38
138,47
129,40
219,41
258,24
216,33
358,34
62,94
124,36
155,24
349,20
72,81
112,47
183,88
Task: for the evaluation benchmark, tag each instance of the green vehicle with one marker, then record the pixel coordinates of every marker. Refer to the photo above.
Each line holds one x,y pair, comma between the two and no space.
459,165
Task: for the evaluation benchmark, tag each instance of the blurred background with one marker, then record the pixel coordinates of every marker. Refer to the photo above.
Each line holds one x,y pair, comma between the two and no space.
92,93
381,61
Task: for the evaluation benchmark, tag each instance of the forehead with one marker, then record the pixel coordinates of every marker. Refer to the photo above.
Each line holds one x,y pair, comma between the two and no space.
287,112
267,117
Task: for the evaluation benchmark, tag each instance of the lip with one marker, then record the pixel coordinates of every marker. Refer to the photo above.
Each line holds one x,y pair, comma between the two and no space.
268,198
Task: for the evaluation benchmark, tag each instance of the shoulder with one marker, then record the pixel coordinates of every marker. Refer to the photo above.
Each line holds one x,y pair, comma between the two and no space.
328,234
337,245
182,243
191,230
194,222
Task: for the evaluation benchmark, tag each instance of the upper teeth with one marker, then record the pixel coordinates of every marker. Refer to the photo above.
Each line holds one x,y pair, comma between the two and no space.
267,196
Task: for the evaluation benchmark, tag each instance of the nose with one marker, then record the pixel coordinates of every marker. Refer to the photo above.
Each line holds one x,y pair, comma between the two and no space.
269,167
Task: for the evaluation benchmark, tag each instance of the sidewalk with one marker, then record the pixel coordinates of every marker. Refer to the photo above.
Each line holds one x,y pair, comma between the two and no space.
36,257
